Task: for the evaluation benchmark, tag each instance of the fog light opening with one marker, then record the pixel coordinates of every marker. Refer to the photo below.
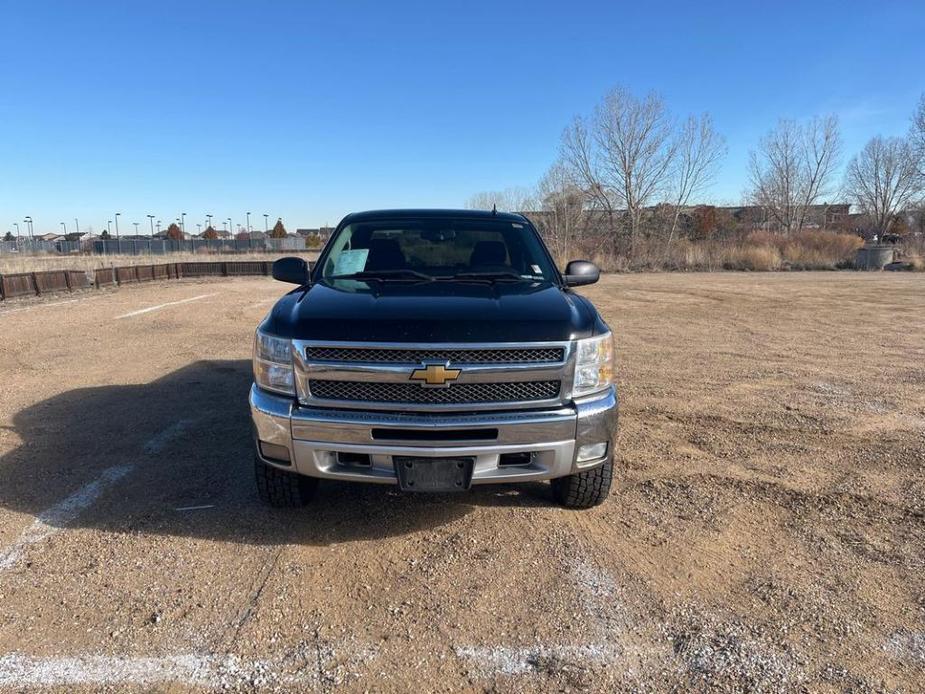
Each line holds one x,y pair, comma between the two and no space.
275,453
354,459
592,451
515,459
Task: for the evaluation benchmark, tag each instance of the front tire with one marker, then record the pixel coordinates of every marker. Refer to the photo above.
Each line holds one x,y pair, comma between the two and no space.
584,489
282,489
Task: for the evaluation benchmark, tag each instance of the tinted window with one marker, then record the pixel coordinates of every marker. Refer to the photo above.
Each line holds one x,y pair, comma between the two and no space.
441,248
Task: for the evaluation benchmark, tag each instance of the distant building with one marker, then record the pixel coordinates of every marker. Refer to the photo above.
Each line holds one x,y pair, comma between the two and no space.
323,233
835,216
824,216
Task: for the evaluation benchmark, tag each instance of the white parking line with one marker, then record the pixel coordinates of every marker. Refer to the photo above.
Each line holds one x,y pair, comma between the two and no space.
159,441
54,519
51,520
598,594
160,306
491,660
314,668
24,671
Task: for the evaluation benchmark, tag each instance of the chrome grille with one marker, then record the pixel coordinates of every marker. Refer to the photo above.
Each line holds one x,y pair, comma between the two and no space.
412,393
374,355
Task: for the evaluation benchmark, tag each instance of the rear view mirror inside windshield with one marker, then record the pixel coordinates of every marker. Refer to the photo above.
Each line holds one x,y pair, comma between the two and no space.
438,235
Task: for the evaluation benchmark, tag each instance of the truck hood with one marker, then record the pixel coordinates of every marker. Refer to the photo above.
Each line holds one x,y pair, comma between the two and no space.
347,310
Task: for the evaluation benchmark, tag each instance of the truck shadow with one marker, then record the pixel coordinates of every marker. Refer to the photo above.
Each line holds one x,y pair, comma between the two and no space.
185,441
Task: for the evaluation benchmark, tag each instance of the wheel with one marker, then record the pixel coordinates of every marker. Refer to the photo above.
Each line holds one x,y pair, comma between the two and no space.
283,489
584,489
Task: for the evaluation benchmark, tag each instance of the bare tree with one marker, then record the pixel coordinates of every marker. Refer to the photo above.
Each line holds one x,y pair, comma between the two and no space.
699,149
515,199
579,157
885,179
622,157
794,168
917,134
561,217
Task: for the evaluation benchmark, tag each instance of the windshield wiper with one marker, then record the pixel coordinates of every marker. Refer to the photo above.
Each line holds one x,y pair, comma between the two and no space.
505,276
385,275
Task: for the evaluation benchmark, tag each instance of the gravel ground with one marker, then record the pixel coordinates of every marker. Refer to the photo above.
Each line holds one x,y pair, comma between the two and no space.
767,532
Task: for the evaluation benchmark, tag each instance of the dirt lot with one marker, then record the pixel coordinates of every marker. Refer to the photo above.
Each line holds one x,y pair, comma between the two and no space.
767,532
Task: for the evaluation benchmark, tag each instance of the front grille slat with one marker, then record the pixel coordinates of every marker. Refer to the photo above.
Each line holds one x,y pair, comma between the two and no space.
374,355
412,393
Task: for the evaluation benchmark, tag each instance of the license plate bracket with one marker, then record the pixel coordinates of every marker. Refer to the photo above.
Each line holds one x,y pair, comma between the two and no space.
433,474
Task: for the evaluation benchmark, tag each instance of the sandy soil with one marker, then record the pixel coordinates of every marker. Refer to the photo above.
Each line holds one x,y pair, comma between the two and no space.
767,532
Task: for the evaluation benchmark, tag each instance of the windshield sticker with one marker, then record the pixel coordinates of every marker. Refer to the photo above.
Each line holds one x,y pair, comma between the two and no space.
351,262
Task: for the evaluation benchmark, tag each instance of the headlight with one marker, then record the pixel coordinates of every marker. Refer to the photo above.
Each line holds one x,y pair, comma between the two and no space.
273,364
593,365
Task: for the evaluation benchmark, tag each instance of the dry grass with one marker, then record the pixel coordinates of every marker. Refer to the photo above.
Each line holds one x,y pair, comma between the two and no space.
759,251
749,257
11,264
810,250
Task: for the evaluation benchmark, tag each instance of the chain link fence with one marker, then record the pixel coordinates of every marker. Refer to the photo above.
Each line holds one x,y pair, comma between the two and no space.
151,246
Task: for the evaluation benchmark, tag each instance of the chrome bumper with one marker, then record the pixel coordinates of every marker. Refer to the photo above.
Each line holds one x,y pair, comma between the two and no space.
314,436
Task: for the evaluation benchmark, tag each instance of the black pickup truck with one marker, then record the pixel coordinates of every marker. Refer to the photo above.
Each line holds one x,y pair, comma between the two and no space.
434,349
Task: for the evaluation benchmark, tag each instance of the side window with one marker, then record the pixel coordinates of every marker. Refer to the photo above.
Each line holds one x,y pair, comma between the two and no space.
341,244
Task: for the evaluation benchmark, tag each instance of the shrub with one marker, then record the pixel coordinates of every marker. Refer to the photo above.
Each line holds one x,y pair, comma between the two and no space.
758,251
759,258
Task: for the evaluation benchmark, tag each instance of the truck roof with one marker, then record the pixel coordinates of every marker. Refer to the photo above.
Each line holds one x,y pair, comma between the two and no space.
432,214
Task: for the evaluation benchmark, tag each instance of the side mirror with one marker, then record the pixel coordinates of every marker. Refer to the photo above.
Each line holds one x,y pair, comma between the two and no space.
292,270
581,272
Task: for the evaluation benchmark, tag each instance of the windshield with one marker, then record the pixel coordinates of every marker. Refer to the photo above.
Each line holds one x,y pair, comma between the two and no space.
437,249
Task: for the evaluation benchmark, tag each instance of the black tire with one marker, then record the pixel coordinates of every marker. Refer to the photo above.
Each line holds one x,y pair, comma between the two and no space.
282,489
584,489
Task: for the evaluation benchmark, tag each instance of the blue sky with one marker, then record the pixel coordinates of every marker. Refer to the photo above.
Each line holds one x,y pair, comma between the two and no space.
308,110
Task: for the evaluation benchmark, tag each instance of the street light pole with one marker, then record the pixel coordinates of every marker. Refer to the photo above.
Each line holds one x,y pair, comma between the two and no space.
158,226
209,220
183,222
28,221
266,224
76,226
64,226
136,228
151,221
118,214
248,222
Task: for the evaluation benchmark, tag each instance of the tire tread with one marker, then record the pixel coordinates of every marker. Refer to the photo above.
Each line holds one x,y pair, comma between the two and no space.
282,489
584,489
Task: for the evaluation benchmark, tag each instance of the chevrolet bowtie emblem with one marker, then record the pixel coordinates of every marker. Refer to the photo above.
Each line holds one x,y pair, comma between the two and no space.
435,375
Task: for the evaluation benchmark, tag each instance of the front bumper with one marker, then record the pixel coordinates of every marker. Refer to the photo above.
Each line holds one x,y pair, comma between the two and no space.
314,436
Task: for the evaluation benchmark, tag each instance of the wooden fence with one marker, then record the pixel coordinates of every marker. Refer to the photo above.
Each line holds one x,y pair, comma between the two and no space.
38,283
